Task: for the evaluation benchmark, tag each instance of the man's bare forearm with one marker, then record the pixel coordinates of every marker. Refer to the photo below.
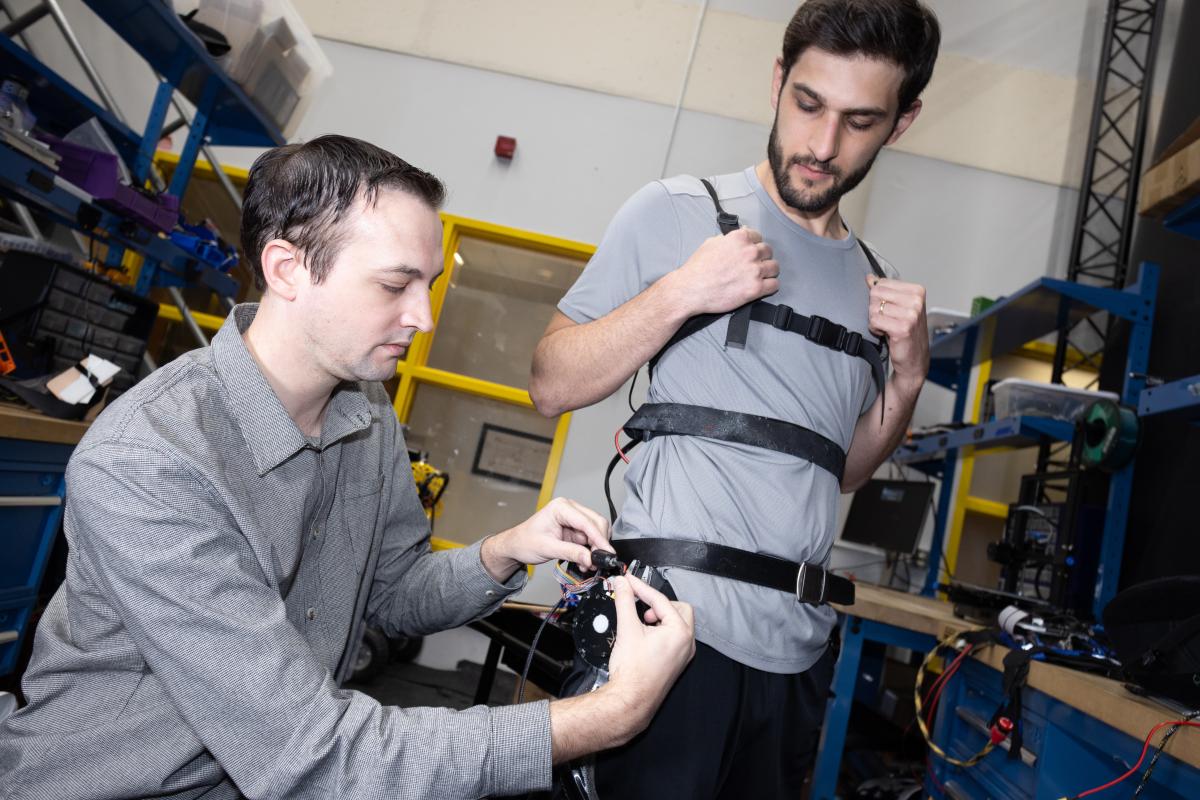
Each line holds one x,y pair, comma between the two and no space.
577,365
590,723
874,443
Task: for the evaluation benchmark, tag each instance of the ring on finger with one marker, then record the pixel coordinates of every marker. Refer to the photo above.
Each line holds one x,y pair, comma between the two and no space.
882,303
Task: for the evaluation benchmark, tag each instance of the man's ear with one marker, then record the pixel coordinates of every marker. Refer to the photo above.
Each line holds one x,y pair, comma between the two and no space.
777,84
282,268
906,119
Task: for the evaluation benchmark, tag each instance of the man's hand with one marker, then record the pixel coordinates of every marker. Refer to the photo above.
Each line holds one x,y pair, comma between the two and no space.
644,664
726,272
646,659
897,309
563,529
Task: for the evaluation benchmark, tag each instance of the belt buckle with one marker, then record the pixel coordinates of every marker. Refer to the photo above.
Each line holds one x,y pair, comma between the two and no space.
805,586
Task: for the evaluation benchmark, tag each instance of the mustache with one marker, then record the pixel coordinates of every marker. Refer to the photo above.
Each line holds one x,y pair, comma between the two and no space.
822,166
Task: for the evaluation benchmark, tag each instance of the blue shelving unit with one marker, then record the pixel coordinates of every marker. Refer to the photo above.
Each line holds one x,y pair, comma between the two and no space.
225,115
1044,306
1186,219
1179,398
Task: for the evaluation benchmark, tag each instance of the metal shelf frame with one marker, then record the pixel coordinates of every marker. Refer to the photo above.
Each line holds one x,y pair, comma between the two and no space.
1040,308
224,115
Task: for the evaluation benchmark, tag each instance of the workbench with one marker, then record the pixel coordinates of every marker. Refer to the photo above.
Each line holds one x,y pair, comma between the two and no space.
34,450
1080,730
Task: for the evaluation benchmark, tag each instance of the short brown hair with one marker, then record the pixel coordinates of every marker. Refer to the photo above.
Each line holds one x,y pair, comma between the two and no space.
301,192
904,32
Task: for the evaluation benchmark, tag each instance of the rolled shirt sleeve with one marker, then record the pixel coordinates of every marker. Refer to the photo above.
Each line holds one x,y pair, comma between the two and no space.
213,629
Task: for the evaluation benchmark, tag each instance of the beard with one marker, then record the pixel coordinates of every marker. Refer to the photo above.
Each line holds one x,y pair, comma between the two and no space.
812,203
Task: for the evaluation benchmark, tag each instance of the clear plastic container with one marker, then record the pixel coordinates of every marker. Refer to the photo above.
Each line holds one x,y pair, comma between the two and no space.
1016,397
240,22
287,66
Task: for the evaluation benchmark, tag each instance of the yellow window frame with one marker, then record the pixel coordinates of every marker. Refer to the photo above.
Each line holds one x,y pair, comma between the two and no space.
415,370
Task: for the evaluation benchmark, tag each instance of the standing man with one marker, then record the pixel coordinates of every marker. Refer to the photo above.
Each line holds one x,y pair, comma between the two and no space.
754,428
238,516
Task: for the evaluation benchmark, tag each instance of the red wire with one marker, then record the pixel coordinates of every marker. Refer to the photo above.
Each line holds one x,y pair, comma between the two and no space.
1141,758
933,774
617,444
941,682
946,673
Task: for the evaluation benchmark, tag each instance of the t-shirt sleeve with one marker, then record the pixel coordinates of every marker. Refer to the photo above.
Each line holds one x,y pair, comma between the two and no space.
641,245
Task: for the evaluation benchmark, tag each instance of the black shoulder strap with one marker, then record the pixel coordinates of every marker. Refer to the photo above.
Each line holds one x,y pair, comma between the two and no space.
739,322
728,223
878,270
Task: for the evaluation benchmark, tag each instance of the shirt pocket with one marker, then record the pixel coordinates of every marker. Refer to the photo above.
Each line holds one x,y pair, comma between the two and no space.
356,510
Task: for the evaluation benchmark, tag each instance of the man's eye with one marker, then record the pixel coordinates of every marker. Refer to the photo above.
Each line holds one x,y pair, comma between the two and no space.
387,287
860,126
807,108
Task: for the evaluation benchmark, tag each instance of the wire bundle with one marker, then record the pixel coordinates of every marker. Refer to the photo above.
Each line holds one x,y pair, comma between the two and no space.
572,587
936,692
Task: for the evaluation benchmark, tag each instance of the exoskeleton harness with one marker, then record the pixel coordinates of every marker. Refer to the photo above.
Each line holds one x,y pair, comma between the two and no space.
810,582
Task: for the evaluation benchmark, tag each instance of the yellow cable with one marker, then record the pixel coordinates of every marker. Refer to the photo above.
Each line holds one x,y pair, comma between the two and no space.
937,751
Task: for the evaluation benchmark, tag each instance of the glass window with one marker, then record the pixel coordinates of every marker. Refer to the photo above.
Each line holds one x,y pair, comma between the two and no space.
497,306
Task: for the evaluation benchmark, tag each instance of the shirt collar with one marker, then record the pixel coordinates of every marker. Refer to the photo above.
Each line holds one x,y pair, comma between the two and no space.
270,433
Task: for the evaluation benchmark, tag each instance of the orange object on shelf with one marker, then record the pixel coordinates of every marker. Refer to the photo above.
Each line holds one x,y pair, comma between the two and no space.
7,364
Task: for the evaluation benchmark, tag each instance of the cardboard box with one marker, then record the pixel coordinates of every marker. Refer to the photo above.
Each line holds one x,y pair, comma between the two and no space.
1175,178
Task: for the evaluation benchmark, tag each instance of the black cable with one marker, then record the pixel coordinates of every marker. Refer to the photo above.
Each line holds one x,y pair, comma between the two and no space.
1158,753
1037,581
633,383
533,648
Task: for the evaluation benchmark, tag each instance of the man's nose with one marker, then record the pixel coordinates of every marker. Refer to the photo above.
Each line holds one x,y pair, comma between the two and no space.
826,139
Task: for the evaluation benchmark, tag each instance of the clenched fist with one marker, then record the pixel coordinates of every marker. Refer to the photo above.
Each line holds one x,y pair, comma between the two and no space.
897,310
726,272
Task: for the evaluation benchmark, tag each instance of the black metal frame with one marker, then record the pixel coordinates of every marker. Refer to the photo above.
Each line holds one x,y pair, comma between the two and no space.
1112,170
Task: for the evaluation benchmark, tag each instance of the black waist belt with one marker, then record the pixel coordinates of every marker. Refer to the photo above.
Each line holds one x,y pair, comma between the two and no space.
653,419
808,582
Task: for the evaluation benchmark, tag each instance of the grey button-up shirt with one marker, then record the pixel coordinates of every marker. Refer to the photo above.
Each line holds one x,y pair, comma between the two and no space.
221,569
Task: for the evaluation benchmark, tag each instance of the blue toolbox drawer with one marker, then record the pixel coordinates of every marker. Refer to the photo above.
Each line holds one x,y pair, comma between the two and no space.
1064,751
31,492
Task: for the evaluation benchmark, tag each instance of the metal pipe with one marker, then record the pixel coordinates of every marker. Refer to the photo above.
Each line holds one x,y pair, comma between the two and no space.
4,6
27,222
23,21
188,320
209,156
13,501
105,97
171,127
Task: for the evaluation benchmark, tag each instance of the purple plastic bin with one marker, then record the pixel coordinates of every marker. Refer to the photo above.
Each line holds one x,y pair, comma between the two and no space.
94,171
160,213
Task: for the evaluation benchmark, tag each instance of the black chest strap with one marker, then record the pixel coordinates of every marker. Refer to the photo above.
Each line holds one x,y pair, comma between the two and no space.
678,419
817,330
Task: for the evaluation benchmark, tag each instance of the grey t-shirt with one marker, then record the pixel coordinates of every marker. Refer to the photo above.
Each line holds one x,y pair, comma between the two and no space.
751,498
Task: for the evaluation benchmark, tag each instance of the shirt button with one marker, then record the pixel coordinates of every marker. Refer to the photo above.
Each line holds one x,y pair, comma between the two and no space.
316,531
490,593
311,614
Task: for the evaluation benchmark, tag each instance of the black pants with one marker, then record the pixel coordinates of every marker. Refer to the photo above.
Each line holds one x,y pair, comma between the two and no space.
725,730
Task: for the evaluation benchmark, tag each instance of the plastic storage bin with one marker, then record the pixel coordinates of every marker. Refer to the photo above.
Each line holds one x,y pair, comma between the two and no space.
272,55
1016,397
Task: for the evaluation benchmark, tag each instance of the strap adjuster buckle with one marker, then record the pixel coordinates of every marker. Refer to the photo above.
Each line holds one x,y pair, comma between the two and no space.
824,332
853,343
808,588
783,317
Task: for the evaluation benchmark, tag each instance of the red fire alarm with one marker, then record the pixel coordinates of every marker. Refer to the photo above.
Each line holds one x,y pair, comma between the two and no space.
505,147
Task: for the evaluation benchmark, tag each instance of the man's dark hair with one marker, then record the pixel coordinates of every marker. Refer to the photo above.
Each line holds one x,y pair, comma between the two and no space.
302,192
903,32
